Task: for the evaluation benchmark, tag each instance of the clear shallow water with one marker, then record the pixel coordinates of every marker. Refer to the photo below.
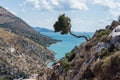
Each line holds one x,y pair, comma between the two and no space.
67,44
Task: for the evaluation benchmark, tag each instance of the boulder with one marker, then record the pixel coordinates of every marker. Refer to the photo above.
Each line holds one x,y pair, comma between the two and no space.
115,36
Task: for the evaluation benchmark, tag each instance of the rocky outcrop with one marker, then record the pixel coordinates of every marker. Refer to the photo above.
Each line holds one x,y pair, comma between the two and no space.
115,34
96,59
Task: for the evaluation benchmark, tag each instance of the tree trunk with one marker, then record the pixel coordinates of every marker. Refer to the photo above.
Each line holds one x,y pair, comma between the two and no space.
86,38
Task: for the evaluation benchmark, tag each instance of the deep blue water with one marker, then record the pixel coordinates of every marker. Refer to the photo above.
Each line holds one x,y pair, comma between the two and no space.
67,44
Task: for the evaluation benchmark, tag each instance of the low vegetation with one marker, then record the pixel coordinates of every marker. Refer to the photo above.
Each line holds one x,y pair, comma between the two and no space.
109,65
65,61
100,33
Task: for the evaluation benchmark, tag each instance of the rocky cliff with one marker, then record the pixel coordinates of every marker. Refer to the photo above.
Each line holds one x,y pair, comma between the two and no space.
96,59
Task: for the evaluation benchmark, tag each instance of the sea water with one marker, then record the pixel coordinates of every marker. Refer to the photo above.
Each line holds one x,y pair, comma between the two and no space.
67,44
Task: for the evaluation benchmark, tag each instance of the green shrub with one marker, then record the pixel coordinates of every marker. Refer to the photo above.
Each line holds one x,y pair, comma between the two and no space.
103,53
65,61
107,68
65,65
9,77
2,78
69,56
103,32
22,74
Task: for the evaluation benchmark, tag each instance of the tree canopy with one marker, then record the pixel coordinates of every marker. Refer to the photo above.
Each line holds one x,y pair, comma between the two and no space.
63,25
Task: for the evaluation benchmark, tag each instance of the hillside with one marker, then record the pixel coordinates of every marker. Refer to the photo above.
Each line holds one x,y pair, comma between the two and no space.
14,24
23,52
96,59
42,29
21,57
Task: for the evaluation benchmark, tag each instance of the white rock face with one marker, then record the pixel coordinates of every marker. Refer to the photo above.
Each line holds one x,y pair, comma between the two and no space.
115,36
115,32
12,50
100,46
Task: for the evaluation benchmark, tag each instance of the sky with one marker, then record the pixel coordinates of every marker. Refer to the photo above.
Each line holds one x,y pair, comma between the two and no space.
85,15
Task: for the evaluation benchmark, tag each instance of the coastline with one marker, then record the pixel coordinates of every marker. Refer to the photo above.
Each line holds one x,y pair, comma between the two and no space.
56,41
50,62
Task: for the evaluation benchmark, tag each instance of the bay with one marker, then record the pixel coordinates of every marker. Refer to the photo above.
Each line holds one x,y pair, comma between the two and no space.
67,44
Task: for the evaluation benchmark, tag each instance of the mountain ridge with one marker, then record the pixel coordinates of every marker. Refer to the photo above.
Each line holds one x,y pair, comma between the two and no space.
23,52
14,24
40,29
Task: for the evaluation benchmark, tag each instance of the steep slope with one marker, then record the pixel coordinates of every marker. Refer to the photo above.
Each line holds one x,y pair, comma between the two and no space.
21,57
14,24
96,59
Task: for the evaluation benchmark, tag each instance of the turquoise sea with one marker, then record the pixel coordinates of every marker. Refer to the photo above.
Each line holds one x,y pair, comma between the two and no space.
67,44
